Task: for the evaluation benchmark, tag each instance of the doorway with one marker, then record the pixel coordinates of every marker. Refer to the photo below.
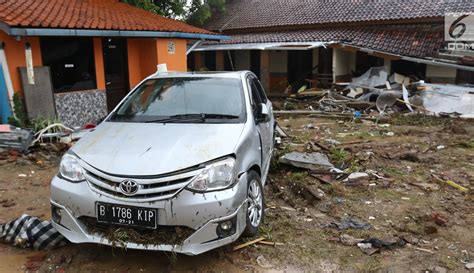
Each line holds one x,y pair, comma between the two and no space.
300,67
116,70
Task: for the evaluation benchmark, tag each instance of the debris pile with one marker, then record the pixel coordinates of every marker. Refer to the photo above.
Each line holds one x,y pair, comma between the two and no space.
378,187
15,138
45,146
375,93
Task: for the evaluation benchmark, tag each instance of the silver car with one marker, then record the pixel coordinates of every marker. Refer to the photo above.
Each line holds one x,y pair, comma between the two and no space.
179,165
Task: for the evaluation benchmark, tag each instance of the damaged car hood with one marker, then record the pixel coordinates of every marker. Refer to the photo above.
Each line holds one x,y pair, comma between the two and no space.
136,149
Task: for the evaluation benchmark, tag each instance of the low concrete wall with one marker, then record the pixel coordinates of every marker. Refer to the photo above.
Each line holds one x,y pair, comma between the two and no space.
79,107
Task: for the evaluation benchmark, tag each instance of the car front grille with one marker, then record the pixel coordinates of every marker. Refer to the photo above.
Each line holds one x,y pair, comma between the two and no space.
150,188
169,235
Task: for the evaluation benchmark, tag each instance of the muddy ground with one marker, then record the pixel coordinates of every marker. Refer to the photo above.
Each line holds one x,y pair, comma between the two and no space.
405,197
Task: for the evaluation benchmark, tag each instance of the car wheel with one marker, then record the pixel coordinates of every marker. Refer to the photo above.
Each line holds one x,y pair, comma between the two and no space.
255,204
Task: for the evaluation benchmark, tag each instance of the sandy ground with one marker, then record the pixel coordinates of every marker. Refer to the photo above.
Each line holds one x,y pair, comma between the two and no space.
411,158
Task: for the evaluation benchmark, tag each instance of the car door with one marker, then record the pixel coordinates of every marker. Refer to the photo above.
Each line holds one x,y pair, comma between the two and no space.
265,128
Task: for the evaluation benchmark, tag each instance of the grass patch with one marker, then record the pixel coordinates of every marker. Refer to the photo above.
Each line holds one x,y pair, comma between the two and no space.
266,231
451,264
354,167
420,120
468,144
384,195
275,163
393,172
339,155
298,176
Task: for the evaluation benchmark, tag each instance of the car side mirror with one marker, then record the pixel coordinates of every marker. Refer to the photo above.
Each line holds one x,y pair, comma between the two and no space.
263,113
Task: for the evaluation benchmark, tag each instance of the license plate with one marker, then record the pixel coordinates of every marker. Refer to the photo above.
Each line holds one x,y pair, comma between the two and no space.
126,215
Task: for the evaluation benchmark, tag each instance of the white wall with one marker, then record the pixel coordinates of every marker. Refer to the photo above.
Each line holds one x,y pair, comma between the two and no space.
440,71
278,61
343,62
440,74
388,64
242,60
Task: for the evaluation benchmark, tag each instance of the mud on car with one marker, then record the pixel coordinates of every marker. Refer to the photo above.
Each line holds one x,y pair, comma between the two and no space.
182,159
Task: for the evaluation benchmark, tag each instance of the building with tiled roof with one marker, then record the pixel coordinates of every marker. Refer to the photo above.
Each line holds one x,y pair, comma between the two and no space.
76,59
284,41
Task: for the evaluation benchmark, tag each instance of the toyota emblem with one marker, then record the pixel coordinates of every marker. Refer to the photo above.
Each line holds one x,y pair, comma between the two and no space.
129,187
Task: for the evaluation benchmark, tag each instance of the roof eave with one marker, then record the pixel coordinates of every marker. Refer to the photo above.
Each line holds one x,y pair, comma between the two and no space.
13,31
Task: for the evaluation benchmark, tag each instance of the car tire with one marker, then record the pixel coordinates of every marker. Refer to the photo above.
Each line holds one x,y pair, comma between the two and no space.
255,204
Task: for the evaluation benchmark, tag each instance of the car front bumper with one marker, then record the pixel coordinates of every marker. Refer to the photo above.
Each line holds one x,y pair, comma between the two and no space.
200,212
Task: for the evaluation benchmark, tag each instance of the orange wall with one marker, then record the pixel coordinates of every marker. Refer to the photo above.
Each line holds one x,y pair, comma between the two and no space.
134,72
176,61
99,64
15,53
142,59
148,57
144,54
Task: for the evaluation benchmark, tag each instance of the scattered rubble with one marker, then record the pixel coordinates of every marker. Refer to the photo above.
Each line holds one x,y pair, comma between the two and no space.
397,185
349,223
348,240
374,245
15,138
311,161
376,94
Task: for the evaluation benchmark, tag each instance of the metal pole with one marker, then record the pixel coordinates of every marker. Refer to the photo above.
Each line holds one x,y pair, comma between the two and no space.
230,60
6,74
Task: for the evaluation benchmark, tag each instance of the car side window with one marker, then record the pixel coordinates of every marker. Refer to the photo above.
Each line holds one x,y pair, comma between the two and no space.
256,99
260,90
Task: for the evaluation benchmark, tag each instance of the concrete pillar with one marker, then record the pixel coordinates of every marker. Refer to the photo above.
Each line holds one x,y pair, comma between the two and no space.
220,61
264,69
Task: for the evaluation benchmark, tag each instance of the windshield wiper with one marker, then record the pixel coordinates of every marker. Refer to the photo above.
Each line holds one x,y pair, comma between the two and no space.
191,117
219,116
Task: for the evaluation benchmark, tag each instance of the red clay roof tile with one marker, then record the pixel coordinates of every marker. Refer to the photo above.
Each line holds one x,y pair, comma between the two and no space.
246,14
87,14
418,40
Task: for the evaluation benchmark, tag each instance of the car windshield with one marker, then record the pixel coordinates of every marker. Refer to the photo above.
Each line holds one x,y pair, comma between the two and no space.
184,100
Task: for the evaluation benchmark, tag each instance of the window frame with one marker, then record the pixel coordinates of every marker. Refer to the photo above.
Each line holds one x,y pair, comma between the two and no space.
61,86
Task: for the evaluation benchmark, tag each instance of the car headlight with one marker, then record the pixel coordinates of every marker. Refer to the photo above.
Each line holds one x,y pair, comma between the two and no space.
70,168
215,176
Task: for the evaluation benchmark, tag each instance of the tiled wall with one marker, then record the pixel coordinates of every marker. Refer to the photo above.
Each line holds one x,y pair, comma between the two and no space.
76,108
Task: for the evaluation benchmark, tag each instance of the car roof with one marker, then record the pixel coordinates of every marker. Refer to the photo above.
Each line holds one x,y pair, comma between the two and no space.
200,74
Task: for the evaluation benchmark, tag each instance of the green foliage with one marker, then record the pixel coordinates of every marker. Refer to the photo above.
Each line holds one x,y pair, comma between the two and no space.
266,231
354,167
21,119
202,10
468,144
277,153
339,155
298,176
196,13
167,8
289,106
14,122
40,123
419,120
